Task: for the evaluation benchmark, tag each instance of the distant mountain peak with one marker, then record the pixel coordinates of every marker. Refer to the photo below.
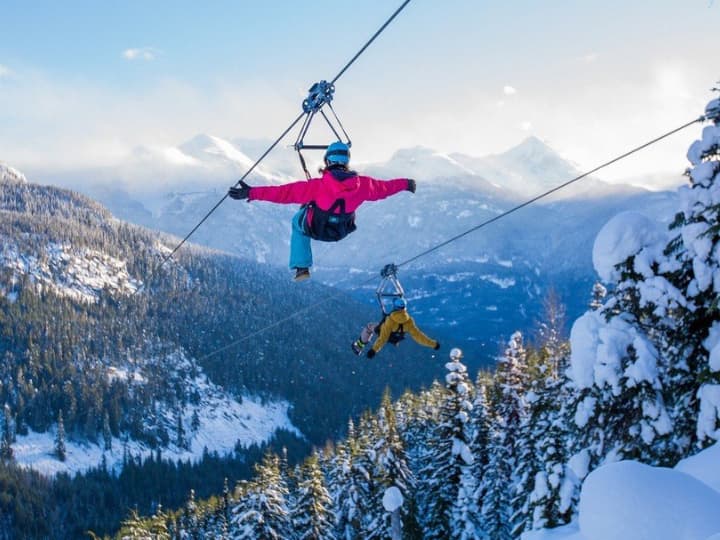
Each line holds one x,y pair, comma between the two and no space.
205,147
424,162
533,148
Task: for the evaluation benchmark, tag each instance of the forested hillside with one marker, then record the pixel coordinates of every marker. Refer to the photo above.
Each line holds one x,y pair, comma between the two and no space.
101,345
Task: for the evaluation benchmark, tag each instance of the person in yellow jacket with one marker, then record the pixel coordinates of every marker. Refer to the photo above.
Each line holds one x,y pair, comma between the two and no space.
395,325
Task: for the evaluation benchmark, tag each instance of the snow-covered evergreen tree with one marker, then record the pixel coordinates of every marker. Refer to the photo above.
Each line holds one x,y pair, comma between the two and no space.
190,521
481,429
261,512
695,357
510,407
134,528
393,480
448,488
351,486
157,525
312,515
620,351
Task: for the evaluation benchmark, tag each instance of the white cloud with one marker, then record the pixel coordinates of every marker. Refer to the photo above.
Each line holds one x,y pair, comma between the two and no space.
83,124
142,53
590,58
509,91
526,126
4,71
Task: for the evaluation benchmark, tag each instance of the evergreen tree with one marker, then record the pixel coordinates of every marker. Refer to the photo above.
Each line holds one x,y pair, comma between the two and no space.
157,525
190,520
496,501
262,512
480,445
599,292
60,450
694,349
510,406
352,486
107,434
448,489
134,528
393,480
6,438
181,440
312,515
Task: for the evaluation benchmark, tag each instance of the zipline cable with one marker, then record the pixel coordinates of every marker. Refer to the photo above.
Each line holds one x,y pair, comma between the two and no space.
272,146
251,169
456,237
343,70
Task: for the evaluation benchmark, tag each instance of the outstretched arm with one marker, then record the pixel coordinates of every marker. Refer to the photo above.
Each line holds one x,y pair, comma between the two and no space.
417,335
376,190
300,192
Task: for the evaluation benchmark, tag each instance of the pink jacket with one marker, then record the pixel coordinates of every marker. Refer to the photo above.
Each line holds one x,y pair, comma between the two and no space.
355,190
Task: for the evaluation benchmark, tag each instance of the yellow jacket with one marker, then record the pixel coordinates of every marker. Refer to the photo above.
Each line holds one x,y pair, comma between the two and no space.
393,322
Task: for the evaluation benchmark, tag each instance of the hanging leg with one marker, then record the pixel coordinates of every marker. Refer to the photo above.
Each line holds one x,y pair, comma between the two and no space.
300,249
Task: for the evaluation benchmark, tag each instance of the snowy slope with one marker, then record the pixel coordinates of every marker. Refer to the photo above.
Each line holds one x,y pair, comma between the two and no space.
81,274
222,424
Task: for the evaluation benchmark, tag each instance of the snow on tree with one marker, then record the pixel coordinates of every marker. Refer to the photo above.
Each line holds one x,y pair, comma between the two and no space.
481,429
261,512
190,520
696,249
134,528
393,480
351,486
312,515
621,363
510,407
157,525
495,509
448,488
599,292
546,489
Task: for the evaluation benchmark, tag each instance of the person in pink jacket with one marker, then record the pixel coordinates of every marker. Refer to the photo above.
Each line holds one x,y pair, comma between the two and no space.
328,203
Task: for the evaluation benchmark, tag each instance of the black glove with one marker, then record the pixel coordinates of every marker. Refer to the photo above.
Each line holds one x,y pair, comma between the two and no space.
239,192
411,185
437,345
371,353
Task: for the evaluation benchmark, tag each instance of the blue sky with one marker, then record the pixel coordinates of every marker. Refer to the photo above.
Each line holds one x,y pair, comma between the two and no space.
83,82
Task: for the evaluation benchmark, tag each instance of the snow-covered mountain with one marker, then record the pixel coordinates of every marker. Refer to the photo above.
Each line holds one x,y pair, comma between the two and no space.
541,246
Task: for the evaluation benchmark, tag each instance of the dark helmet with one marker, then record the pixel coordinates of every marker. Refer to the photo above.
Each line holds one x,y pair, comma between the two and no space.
337,153
399,303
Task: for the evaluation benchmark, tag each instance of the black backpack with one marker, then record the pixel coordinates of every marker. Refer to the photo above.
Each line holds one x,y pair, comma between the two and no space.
396,336
328,226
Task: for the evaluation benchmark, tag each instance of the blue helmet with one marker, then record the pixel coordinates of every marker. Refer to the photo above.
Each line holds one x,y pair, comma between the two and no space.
338,152
399,303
